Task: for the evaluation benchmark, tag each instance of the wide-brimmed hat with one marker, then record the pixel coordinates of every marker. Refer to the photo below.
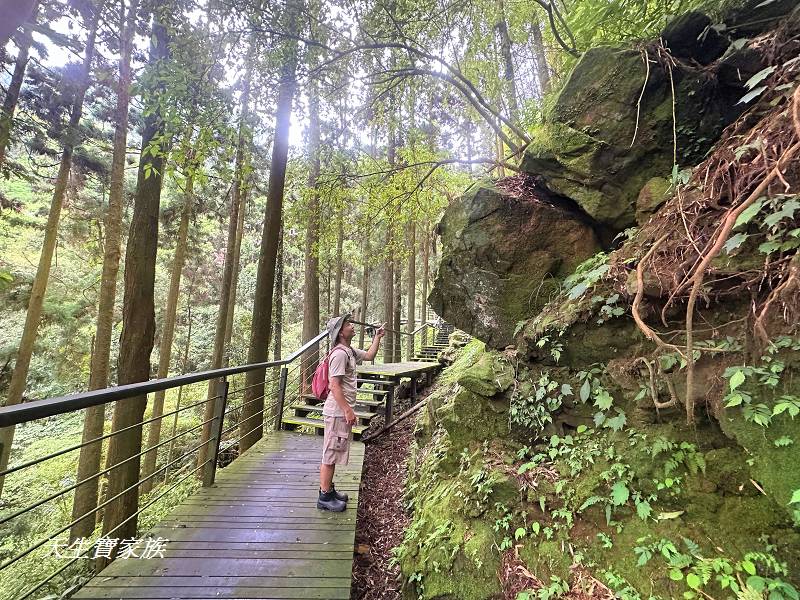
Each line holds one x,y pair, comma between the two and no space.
335,326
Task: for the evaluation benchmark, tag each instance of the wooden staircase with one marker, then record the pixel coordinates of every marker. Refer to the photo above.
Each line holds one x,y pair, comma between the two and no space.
372,397
430,353
370,401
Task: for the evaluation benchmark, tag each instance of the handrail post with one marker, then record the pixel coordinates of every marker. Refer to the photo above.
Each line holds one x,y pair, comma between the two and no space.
210,468
281,397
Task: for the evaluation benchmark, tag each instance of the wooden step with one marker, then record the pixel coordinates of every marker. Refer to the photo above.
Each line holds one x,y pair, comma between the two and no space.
382,382
371,403
303,410
318,424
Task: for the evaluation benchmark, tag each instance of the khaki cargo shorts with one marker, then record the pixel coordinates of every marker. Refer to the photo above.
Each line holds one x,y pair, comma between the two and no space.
336,443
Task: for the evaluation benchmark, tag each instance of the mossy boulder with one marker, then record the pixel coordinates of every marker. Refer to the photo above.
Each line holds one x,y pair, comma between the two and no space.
502,258
492,373
610,129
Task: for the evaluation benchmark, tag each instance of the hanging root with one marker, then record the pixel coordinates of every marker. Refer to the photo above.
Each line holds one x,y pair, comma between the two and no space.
637,300
721,237
673,401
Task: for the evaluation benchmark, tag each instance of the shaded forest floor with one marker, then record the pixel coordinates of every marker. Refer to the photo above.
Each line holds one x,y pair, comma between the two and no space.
382,519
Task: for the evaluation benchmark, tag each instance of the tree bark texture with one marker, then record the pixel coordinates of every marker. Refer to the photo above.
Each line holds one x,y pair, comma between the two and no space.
30,330
337,288
219,352
138,315
168,332
540,58
86,494
237,255
423,309
412,286
278,326
251,426
508,62
311,324
364,288
397,269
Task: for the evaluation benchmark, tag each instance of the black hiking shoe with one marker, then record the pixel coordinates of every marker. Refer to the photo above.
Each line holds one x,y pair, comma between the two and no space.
339,495
329,501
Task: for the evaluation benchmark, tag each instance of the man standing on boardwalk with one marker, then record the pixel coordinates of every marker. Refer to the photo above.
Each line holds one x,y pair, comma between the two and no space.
338,413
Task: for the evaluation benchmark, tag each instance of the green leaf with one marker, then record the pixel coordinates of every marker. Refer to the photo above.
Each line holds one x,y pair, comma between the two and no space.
620,493
582,428
749,212
693,581
782,442
586,390
519,533
759,77
749,567
734,242
733,400
603,399
752,94
737,379
795,497
566,389
644,510
675,574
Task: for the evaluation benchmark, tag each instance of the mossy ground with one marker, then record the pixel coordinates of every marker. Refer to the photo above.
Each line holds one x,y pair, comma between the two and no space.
597,497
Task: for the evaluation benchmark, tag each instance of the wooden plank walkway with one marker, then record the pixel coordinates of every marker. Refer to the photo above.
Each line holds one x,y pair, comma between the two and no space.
255,534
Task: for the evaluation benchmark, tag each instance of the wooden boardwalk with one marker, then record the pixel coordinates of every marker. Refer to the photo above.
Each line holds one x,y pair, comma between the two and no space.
255,534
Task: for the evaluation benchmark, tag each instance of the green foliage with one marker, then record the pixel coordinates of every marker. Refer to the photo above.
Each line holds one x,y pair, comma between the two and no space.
586,276
534,402
744,382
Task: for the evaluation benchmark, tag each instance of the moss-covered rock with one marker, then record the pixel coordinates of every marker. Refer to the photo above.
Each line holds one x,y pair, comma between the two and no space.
502,258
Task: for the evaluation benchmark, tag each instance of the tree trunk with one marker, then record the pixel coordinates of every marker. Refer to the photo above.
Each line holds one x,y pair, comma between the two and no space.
388,302
237,256
508,63
412,286
542,70
219,352
337,289
251,425
138,316
364,288
278,299
423,309
311,324
86,495
397,269
24,40
19,378
168,332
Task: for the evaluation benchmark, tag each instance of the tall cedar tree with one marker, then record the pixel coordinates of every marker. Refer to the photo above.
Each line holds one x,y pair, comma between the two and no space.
86,495
138,311
30,331
250,428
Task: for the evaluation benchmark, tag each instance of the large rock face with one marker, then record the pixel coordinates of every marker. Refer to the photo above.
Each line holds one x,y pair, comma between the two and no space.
504,254
605,137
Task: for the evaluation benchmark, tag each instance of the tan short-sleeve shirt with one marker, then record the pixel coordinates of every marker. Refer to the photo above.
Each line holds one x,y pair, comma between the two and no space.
342,363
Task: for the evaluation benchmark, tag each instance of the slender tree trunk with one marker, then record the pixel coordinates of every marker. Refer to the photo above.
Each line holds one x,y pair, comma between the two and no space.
138,315
219,352
397,269
388,302
423,309
19,378
412,286
278,300
86,495
311,325
251,426
540,58
237,256
337,289
364,288
168,331
508,62
24,39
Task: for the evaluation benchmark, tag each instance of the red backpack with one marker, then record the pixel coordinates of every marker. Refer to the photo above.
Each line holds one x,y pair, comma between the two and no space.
319,383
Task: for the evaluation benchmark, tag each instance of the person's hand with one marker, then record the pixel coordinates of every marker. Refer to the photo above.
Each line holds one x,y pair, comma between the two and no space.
350,416
381,331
